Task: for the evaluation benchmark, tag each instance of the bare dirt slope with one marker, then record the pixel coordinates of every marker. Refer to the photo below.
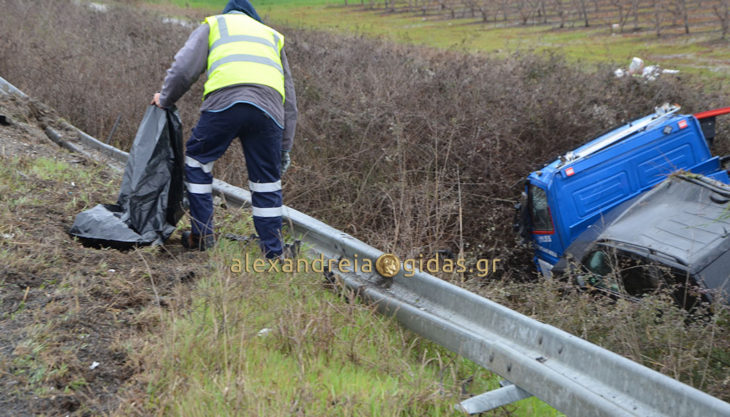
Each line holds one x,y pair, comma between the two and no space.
70,317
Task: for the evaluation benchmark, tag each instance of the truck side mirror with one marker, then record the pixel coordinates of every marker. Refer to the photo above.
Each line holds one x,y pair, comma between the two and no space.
521,223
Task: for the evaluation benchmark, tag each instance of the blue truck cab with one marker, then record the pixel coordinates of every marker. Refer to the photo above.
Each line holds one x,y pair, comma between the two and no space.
580,187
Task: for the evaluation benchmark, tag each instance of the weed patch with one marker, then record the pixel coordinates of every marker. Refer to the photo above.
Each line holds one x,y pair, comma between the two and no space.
64,307
283,344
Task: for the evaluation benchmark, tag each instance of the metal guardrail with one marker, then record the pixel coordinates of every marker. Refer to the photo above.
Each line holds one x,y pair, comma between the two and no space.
6,87
574,376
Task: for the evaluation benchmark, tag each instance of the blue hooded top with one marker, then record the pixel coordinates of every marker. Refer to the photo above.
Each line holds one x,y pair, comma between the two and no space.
243,6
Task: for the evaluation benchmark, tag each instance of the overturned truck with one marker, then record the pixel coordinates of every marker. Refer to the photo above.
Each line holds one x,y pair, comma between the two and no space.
599,208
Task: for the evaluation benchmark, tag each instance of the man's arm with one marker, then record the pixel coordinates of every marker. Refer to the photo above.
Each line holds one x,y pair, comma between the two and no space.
190,61
290,106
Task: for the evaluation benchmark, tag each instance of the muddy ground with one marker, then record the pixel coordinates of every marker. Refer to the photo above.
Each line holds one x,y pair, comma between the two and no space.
71,317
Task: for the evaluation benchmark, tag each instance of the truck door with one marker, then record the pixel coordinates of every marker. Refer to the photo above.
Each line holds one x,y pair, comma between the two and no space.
542,228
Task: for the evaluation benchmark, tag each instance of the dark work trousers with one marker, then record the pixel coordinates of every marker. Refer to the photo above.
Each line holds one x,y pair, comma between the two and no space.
261,140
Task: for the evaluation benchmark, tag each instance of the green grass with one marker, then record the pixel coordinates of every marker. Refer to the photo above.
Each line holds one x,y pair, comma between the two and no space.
293,3
283,344
23,182
208,4
700,53
219,4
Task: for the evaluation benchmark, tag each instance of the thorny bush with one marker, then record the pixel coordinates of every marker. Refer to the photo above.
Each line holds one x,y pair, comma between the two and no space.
394,141
408,148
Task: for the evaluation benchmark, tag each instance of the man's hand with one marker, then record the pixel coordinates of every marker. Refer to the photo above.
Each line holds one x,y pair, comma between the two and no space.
156,100
285,161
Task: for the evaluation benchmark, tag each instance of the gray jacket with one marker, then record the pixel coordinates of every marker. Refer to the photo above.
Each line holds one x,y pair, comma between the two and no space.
192,60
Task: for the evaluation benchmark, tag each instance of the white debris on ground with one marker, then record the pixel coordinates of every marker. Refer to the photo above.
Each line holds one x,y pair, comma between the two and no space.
637,69
103,8
176,21
97,7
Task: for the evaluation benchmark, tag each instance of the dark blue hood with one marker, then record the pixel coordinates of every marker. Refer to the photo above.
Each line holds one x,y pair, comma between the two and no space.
242,6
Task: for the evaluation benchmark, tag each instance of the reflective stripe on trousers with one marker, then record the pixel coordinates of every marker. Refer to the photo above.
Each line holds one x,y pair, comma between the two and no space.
261,141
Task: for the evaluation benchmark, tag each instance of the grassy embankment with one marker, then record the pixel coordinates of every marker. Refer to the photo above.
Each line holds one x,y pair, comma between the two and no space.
280,344
181,333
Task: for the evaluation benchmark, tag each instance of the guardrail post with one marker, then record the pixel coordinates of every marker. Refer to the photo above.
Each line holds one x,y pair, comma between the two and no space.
490,400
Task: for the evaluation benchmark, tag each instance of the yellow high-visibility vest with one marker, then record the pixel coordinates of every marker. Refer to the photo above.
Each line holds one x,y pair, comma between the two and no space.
243,51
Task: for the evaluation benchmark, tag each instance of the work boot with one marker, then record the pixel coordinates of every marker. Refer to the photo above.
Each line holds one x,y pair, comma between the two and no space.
191,241
291,250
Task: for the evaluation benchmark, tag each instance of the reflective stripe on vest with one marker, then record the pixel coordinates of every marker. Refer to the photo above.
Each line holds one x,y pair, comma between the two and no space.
243,51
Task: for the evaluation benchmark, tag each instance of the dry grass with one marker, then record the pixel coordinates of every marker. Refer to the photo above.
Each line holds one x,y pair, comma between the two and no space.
63,306
280,344
410,149
693,347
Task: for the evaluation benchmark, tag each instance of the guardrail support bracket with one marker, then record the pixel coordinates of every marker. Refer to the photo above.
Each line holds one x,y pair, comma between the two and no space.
490,400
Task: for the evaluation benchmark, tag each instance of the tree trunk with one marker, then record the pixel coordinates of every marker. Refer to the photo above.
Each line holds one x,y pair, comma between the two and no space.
560,12
618,4
635,11
722,11
583,11
544,11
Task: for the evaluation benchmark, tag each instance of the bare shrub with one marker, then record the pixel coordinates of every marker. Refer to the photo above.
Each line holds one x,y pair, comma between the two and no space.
91,66
722,12
396,144
385,142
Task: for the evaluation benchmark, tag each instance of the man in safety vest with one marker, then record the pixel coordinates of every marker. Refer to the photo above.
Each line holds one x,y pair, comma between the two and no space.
249,94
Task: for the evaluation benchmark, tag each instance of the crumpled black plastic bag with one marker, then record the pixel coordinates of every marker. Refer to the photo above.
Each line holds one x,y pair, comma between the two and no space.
150,200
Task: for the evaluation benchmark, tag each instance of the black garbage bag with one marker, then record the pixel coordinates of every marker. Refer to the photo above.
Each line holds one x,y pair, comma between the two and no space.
150,200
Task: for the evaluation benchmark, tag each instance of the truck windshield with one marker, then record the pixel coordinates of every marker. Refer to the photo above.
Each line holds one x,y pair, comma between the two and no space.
542,221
